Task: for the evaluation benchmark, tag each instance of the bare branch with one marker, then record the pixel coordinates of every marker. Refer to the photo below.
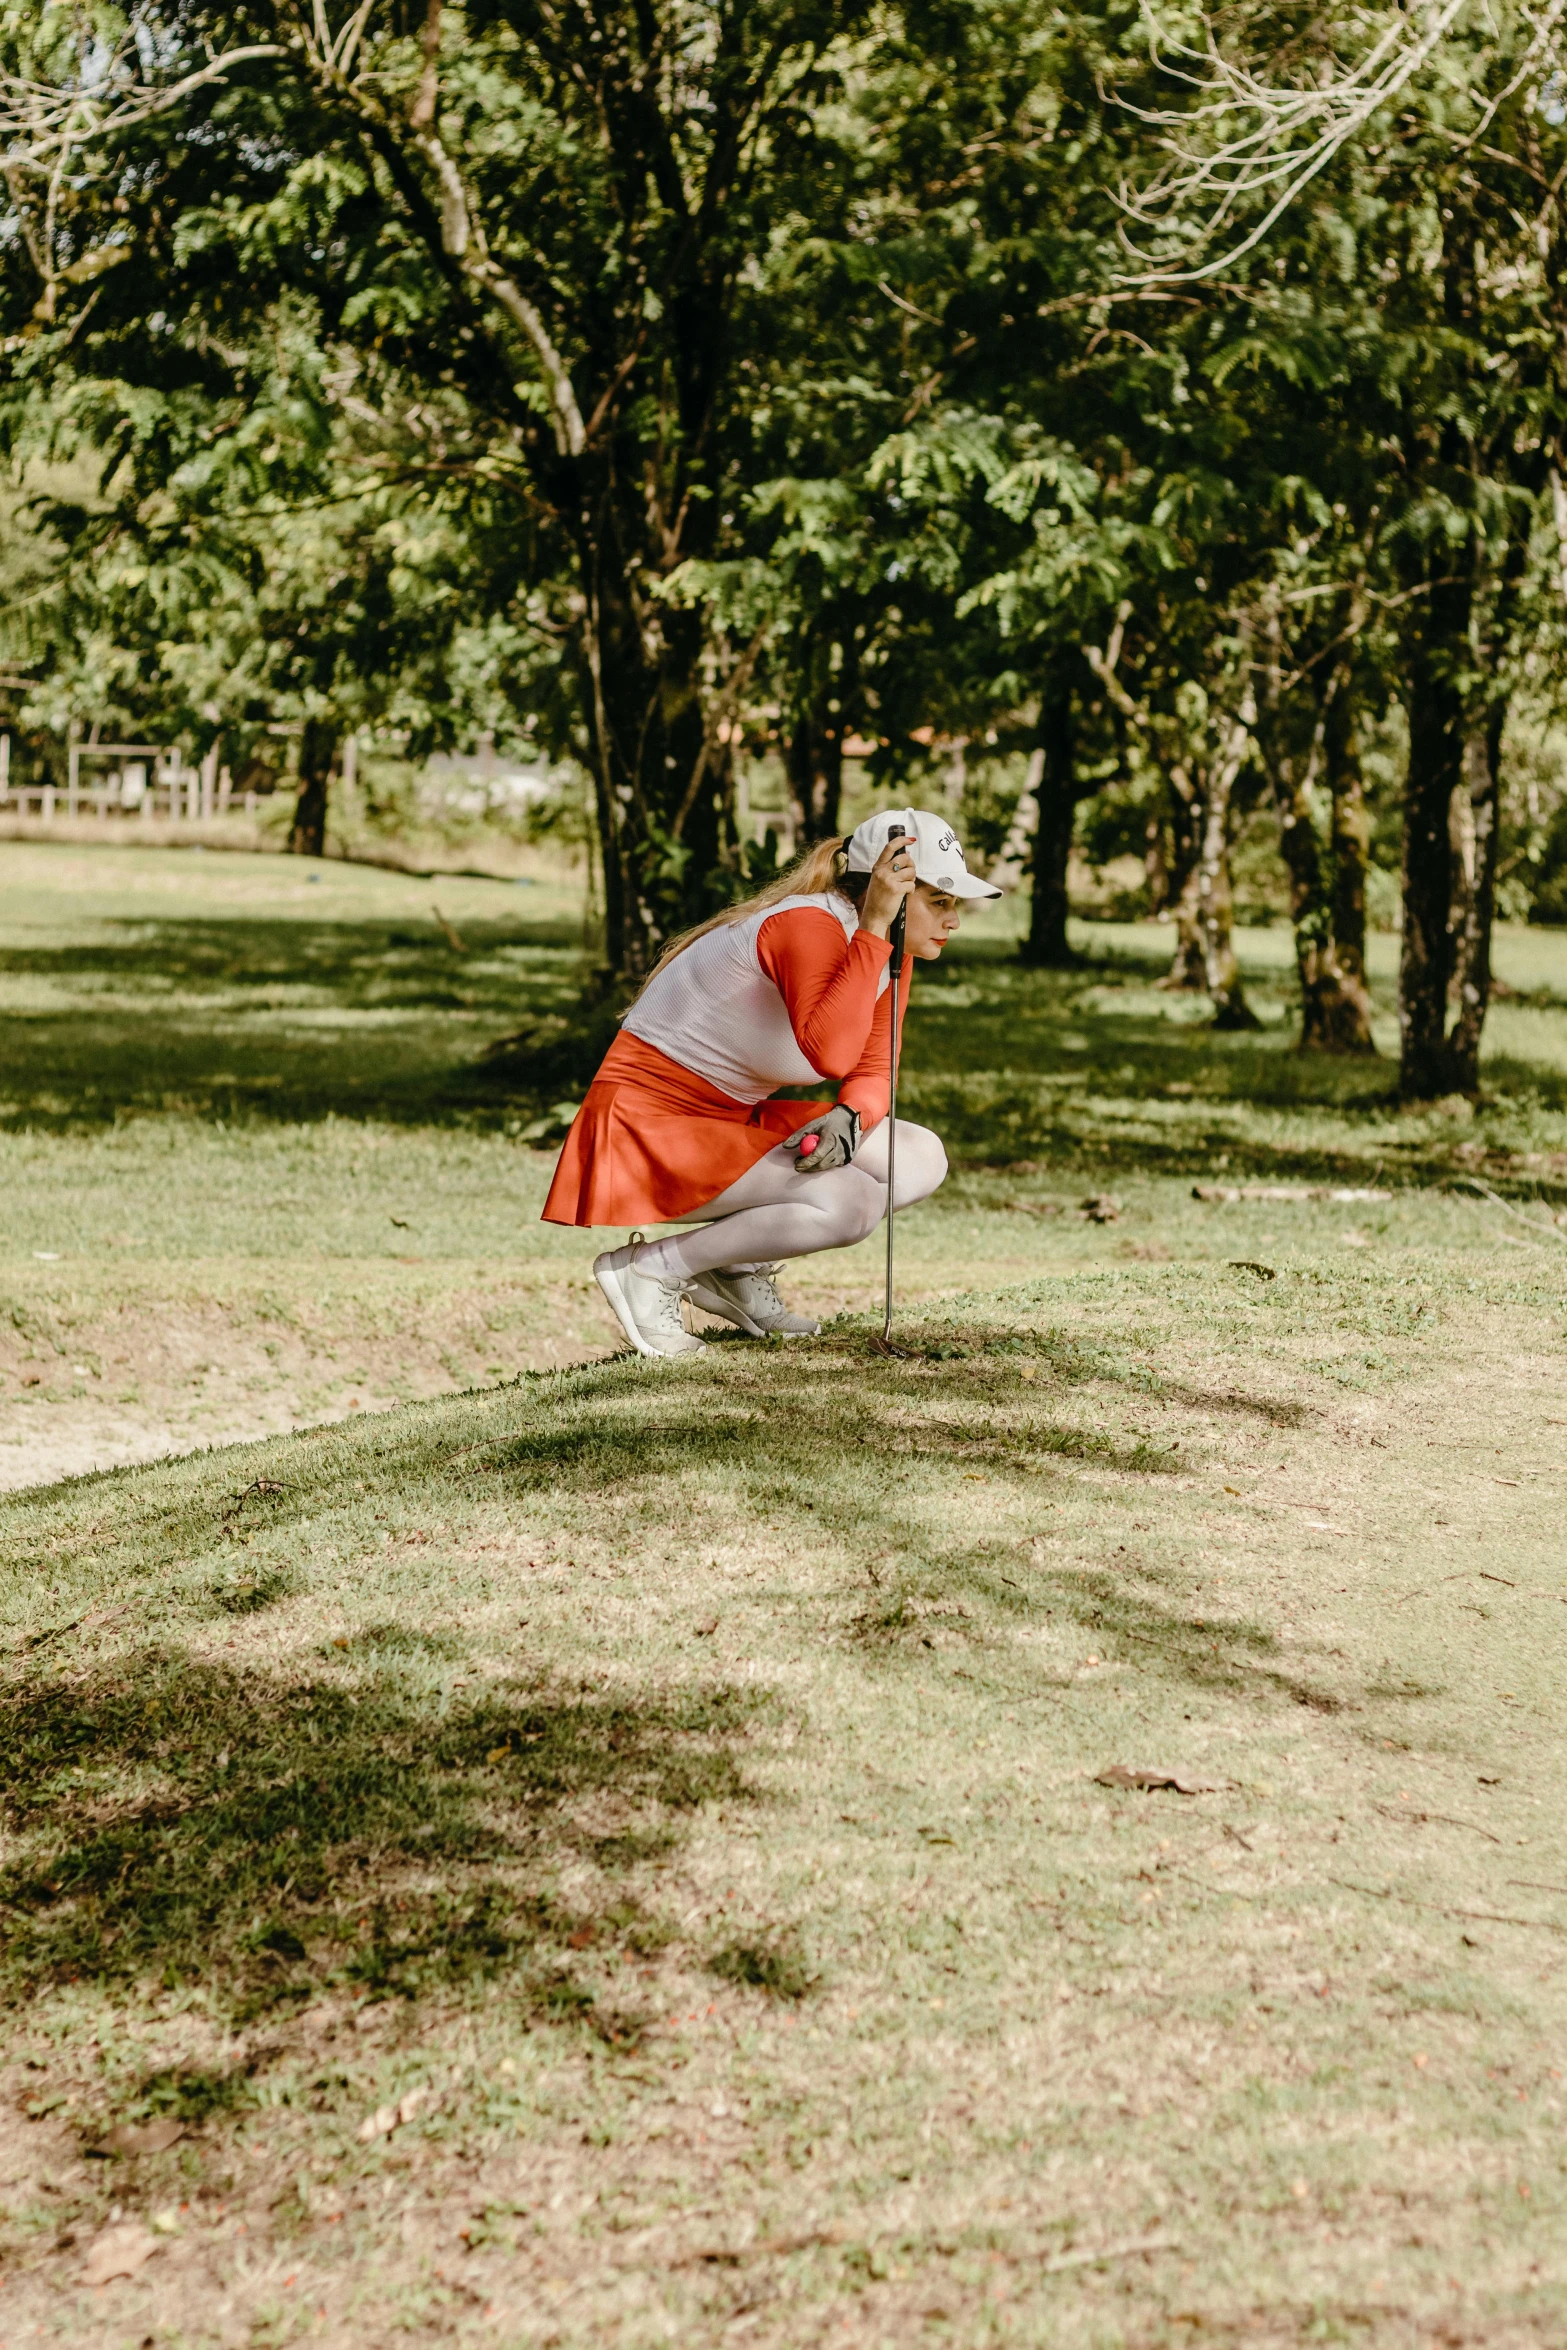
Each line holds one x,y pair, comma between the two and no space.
422,117
464,239
1244,148
45,121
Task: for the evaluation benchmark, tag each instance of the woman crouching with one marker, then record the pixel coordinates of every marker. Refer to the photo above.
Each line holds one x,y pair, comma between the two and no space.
678,1128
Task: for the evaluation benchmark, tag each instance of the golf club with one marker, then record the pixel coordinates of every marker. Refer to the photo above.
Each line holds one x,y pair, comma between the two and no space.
884,1344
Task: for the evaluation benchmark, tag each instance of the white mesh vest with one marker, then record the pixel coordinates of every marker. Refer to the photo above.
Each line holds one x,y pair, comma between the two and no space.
716,1012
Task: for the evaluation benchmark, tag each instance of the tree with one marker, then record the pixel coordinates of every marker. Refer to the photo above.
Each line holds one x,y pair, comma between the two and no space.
557,226
1448,230
243,562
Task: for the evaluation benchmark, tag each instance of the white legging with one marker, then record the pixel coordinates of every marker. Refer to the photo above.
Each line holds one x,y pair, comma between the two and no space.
777,1211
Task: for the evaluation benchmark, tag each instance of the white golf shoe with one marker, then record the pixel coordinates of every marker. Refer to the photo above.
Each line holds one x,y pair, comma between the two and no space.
647,1310
751,1301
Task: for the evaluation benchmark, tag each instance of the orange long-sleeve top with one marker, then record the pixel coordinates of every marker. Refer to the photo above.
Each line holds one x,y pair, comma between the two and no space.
832,992
787,995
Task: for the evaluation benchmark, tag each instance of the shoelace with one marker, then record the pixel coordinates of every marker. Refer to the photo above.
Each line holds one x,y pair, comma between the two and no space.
768,1286
666,1310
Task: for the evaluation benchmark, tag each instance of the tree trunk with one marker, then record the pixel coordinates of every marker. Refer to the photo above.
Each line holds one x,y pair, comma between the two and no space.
1479,806
1181,887
1156,870
1327,893
317,750
816,771
1439,650
1436,770
1477,829
1205,960
1047,946
826,660
1291,776
1215,898
1345,1016
659,789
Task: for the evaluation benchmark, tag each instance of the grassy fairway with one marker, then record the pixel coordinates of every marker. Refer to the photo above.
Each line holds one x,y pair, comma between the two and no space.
611,1855
620,1858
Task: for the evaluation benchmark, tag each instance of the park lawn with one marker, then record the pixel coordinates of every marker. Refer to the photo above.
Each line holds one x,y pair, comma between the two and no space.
618,1854
623,1857
259,1172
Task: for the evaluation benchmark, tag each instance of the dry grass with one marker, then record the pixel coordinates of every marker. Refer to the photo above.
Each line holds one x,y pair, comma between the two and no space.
681,1788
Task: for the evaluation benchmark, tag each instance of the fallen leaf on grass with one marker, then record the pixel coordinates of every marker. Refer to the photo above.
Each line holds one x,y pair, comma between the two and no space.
119,2252
143,2137
1142,1775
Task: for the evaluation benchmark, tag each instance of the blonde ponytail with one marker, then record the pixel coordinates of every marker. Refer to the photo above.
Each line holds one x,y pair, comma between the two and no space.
816,873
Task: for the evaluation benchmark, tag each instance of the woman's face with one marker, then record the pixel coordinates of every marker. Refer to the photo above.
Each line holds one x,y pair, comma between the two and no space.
933,916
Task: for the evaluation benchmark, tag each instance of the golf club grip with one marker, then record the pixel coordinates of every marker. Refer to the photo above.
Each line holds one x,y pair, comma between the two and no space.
900,919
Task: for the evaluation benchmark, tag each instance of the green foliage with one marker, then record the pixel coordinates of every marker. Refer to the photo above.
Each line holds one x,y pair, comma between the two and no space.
706,388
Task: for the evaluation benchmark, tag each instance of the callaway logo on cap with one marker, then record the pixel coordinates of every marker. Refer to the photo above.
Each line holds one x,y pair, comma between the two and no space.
938,853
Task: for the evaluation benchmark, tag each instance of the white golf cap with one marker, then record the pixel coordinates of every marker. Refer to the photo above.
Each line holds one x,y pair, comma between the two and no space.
938,853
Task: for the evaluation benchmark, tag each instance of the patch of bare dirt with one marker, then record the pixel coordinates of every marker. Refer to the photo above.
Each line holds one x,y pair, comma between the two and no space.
96,1383
97,1372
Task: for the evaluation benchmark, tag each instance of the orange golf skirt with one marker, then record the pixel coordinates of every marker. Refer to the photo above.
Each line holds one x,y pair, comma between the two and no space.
654,1142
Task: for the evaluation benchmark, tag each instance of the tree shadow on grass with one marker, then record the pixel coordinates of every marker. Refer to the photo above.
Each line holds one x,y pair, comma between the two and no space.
271,1838
1231,1656
273,1833
275,1020
826,1458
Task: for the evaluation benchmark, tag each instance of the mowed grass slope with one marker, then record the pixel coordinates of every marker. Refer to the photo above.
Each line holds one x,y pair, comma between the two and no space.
622,1857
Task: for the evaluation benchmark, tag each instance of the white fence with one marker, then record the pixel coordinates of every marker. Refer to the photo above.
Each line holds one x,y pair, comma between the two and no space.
128,782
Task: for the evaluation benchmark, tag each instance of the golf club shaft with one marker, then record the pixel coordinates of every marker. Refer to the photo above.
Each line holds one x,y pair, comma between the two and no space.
895,969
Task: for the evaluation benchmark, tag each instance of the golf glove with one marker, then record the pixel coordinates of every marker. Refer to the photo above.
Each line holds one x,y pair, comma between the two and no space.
837,1138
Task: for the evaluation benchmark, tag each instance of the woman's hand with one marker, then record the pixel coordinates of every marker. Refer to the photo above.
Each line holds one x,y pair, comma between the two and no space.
891,881
828,1141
